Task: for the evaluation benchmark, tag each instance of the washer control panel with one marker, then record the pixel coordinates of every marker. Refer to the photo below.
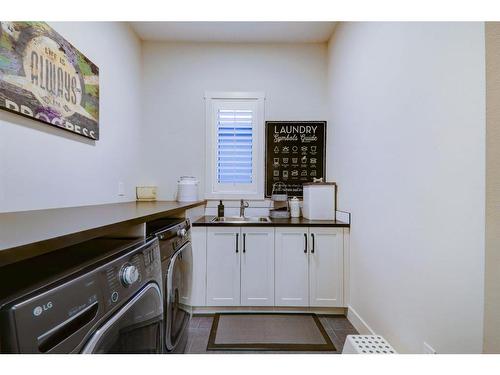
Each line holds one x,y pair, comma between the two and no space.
127,274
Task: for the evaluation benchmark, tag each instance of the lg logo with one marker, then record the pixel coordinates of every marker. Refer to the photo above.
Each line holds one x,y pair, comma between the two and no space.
37,311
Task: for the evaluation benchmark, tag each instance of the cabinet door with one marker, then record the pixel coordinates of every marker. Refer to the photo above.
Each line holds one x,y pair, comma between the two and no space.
291,267
223,266
326,267
257,266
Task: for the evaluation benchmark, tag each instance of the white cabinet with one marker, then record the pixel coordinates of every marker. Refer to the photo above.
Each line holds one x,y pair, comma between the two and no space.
223,266
240,266
257,266
266,266
292,269
309,267
326,267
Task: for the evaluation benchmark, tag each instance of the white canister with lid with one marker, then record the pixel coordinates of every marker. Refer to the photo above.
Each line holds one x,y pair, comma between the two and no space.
320,200
187,189
294,207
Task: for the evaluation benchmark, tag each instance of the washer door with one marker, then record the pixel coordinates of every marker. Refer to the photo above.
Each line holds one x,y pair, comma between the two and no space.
178,287
135,328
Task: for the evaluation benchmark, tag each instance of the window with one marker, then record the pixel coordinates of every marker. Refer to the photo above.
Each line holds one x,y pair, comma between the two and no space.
235,153
234,146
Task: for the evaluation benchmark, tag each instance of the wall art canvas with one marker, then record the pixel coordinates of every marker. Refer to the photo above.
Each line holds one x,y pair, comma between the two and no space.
44,77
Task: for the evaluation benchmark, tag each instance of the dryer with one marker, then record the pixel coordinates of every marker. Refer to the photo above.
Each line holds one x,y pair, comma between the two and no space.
176,253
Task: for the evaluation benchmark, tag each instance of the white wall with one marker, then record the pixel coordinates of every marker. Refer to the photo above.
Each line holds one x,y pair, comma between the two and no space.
407,149
176,77
42,167
492,255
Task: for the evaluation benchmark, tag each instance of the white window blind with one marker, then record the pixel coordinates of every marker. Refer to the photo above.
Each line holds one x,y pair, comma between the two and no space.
234,145
235,140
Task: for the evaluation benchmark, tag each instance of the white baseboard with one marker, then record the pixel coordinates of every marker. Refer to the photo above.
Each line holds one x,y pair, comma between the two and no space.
357,321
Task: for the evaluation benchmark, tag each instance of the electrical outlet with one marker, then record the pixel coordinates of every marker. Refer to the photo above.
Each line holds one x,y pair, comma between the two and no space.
428,349
121,188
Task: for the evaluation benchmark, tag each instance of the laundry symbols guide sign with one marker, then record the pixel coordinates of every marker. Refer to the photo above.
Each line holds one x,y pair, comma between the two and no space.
295,154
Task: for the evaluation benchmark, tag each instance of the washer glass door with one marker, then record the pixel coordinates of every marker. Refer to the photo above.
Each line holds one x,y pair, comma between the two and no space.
178,287
135,328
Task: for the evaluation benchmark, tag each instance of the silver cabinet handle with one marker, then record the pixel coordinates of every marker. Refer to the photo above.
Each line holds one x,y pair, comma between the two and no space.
305,243
237,237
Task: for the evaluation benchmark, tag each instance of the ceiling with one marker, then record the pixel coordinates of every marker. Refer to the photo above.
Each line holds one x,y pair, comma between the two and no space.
235,32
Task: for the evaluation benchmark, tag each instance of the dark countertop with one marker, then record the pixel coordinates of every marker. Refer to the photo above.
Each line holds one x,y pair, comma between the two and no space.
30,233
206,221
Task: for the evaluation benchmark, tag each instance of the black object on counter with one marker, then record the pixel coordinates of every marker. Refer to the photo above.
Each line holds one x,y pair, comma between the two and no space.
220,210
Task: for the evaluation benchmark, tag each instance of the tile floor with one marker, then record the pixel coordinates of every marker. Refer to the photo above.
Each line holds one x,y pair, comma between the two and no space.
337,327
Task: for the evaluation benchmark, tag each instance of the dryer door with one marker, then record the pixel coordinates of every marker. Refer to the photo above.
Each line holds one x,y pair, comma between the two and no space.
178,288
135,328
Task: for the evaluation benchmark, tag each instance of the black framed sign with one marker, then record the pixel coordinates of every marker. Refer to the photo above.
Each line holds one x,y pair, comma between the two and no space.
295,154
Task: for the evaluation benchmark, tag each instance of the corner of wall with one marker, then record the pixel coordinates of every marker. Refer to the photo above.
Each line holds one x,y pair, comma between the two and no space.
358,322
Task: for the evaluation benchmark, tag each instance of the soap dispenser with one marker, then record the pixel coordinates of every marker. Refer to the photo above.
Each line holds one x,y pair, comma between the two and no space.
220,209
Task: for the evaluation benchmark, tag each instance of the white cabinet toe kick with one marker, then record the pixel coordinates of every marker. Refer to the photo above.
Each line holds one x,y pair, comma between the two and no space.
209,310
296,269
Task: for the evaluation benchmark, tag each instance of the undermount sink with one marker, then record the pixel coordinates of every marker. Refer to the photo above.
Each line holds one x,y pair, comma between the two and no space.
241,219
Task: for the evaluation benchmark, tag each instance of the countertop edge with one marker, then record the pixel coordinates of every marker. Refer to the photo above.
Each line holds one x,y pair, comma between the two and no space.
16,253
300,222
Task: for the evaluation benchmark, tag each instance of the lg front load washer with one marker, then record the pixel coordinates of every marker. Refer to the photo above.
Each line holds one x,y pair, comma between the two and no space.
102,296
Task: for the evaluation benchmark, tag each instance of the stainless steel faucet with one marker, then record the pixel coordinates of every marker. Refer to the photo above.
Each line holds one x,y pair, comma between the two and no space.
243,205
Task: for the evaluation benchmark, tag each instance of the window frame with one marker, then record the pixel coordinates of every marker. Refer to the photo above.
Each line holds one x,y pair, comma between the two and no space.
213,189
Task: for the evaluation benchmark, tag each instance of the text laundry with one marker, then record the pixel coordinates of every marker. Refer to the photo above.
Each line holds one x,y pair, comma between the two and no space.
301,129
